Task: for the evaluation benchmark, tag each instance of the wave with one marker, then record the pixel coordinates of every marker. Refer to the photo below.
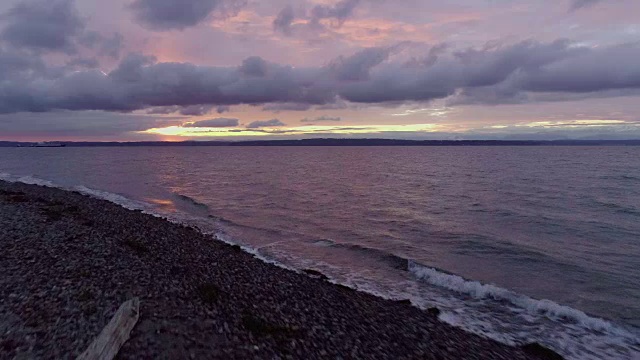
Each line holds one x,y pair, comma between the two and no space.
26,180
474,316
395,261
190,200
618,208
478,290
112,197
630,177
221,236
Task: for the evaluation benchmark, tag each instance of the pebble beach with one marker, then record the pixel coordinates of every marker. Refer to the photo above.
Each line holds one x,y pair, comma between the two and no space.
67,262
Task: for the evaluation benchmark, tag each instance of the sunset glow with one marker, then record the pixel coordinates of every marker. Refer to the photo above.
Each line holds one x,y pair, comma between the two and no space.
126,70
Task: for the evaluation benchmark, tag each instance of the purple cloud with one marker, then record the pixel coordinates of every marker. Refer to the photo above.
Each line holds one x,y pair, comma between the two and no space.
340,12
321,118
214,123
223,109
277,107
164,15
43,25
579,4
512,71
282,22
265,123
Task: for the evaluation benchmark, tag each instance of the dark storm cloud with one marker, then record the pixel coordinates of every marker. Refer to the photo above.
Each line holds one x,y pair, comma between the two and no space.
49,25
265,123
492,74
214,123
164,15
321,118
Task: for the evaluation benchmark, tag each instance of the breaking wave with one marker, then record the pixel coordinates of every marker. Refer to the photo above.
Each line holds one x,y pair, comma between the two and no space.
26,180
395,261
114,198
190,200
478,290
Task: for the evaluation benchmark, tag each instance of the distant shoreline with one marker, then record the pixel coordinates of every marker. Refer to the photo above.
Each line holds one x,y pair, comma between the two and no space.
337,142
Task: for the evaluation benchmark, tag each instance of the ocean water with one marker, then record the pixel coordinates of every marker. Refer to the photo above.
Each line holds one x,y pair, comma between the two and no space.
519,244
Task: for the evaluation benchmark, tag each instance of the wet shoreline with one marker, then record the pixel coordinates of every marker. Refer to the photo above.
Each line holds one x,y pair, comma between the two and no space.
69,261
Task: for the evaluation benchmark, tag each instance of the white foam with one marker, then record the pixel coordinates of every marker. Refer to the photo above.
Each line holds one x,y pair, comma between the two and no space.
227,240
112,197
35,181
26,180
478,290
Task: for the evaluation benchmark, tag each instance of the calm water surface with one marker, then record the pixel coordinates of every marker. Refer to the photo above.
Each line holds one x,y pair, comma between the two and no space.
517,243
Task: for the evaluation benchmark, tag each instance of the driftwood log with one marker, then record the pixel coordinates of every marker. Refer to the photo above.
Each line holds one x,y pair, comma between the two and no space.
115,334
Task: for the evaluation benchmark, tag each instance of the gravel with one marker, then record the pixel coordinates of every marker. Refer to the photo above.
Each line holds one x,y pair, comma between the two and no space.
67,262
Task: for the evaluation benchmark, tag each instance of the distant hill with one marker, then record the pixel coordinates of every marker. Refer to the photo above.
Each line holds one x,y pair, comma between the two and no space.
347,142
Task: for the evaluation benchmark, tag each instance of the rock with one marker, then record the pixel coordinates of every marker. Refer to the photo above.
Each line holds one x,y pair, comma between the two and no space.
208,292
315,274
541,352
433,311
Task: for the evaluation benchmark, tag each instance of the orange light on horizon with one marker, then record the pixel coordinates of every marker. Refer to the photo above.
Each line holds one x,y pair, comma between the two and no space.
178,131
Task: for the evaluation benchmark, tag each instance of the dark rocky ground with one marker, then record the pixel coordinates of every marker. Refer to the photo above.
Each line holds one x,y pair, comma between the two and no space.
68,261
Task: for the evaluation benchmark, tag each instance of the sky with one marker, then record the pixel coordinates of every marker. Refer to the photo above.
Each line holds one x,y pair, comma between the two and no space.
135,70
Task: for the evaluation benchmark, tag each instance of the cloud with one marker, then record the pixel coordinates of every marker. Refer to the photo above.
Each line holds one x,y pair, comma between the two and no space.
491,74
196,110
265,123
43,25
336,15
282,22
163,110
106,46
112,46
321,118
80,123
191,110
214,123
15,66
432,57
254,66
223,109
340,12
560,70
579,4
83,63
277,107
164,15
358,66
